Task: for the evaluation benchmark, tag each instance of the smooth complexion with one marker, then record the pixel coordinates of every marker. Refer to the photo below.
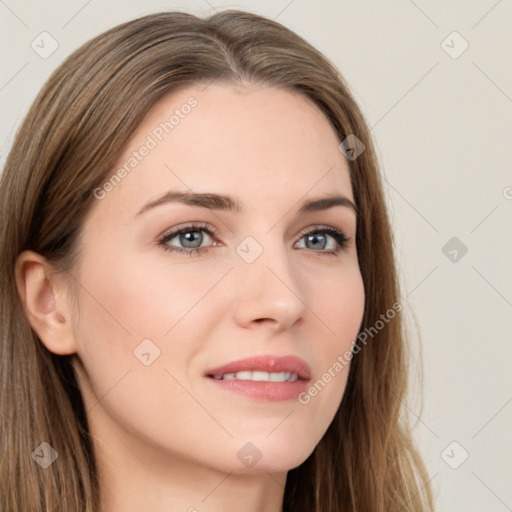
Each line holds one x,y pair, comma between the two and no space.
166,437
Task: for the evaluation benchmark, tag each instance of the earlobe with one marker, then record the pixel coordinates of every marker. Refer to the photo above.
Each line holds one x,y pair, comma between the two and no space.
46,301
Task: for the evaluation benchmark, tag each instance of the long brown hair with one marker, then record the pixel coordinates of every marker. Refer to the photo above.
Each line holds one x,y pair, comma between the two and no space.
67,146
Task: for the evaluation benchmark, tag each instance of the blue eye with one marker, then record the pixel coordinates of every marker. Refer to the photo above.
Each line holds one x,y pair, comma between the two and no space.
191,239
191,236
319,238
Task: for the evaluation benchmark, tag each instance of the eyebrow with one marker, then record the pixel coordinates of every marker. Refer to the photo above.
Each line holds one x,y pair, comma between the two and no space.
223,202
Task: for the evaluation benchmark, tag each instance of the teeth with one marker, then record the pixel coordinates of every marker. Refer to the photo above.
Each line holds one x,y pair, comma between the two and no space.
260,376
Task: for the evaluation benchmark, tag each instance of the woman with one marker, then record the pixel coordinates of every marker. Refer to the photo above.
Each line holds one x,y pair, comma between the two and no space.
200,307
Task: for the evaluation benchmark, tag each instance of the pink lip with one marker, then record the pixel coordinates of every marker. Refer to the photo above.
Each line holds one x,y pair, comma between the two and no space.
267,363
264,390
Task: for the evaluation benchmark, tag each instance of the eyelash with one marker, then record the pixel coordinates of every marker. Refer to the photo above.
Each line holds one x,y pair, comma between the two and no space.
338,236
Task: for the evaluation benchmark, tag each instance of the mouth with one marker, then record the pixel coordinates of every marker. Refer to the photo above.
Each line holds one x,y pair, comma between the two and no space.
258,376
266,377
263,368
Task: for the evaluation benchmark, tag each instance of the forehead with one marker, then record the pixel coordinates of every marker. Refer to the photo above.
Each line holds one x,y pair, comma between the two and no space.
256,143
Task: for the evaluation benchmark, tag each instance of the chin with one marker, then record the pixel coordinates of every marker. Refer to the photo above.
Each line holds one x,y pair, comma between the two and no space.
277,455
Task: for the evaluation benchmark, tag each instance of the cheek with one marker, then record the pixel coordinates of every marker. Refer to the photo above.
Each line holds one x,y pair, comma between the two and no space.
146,300
340,305
126,316
132,314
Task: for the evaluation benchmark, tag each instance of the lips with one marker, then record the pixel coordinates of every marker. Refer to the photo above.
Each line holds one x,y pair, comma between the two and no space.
266,378
264,363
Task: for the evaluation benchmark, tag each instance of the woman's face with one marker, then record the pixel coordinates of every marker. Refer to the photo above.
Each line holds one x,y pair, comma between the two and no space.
264,280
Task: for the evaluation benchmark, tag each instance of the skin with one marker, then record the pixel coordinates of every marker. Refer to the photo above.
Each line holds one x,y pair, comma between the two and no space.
165,437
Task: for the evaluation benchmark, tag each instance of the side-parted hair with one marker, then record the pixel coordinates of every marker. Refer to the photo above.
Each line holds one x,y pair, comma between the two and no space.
67,147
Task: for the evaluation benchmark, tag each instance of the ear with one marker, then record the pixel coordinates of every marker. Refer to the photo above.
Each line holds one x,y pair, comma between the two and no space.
46,301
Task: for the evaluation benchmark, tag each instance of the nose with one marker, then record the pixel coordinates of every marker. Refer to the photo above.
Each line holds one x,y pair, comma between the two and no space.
268,292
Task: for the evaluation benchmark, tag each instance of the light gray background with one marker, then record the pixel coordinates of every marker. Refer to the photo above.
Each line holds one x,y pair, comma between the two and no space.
443,128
